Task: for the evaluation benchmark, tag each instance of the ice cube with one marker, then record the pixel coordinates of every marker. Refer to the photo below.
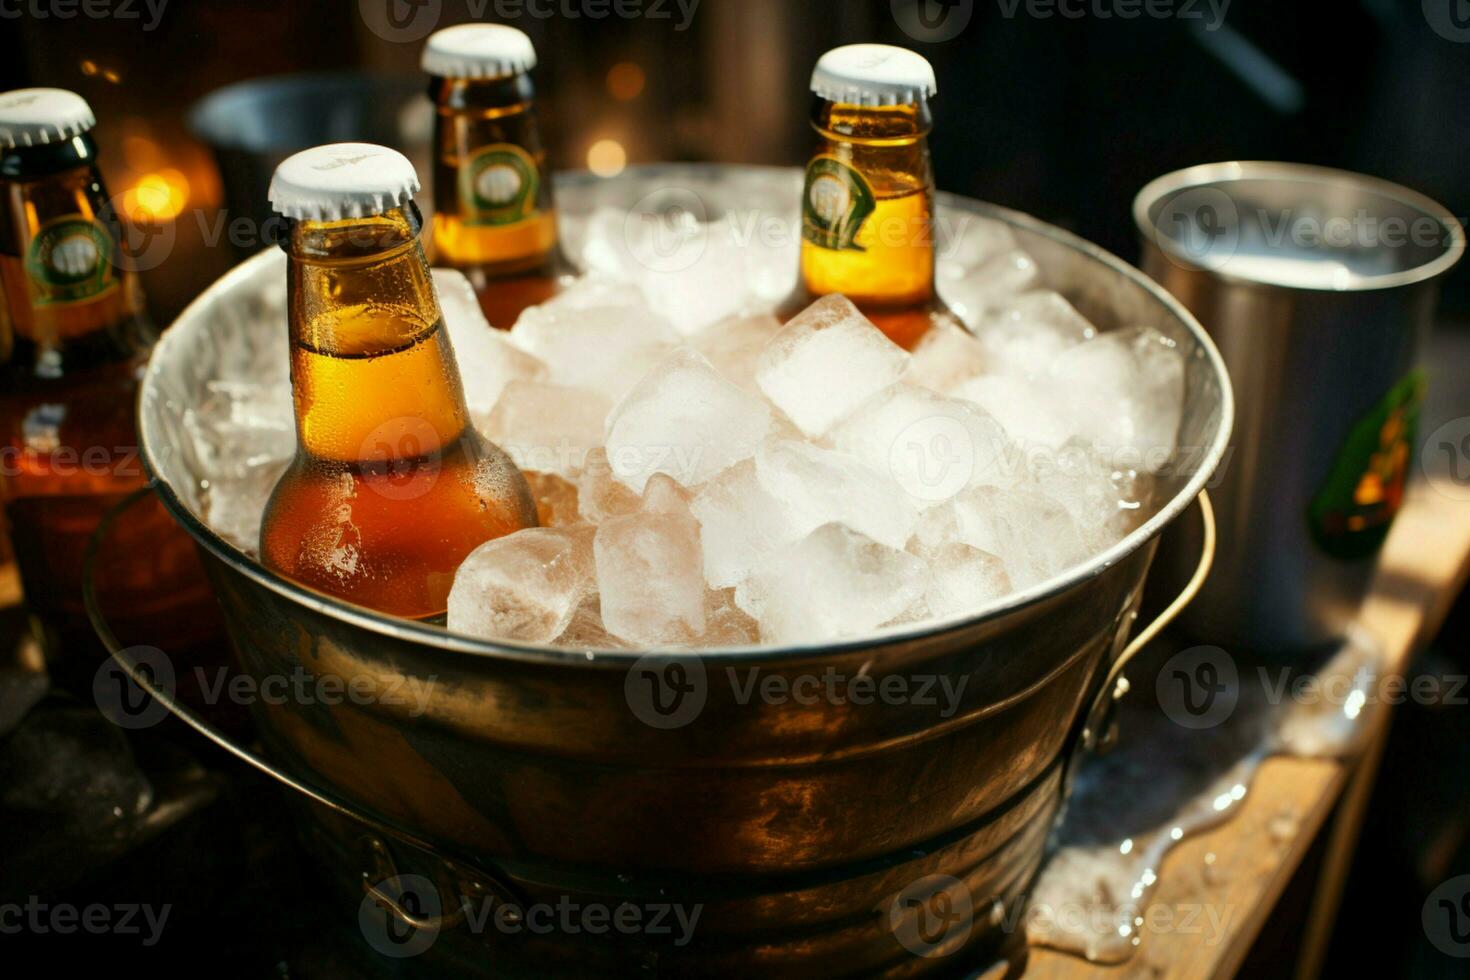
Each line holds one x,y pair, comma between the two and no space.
726,625
691,271
603,348
1024,408
817,486
650,572
585,631
833,583
734,346
242,435
973,241
556,499
525,586
1023,338
487,360
1124,391
963,579
947,355
825,362
235,505
685,420
740,525
989,285
547,428
601,495
932,445
1106,502
1032,534
241,425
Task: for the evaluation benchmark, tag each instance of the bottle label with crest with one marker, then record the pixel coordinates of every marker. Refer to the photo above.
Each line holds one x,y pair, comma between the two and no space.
498,185
834,204
70,259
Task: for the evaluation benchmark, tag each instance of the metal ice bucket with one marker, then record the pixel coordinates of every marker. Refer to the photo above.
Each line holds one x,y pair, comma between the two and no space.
813,837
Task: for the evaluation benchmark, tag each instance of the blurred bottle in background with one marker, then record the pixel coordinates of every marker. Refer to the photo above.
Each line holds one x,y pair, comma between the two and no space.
867,210
493,215
73,341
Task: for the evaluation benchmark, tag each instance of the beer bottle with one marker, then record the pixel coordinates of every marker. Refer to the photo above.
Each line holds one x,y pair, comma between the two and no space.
73,339
493,216
867,209
391,485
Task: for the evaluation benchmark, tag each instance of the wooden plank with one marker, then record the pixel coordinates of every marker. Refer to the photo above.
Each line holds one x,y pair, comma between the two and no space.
1235,874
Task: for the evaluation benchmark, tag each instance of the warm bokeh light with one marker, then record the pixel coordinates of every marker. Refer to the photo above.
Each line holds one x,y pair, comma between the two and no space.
158,196
89,67
625,81
606,158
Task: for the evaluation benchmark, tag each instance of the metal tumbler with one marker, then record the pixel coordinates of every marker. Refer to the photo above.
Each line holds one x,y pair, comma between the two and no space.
1318,286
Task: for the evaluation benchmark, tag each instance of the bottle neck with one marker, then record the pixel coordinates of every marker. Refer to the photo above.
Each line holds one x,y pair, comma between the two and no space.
868,209
493,207
372,372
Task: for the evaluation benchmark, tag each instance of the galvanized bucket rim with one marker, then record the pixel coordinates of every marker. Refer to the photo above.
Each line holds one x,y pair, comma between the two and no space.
442,639
1207,175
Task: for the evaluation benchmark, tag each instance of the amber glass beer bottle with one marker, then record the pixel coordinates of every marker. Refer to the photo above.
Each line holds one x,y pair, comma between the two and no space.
867,207
73,339
391,485
493,214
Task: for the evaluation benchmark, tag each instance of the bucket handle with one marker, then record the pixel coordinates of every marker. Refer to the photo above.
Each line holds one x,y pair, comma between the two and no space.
478,879
1115,685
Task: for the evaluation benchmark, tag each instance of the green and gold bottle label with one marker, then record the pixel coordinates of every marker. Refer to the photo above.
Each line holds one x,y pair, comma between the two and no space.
498,185
1351,515
834,204
70,259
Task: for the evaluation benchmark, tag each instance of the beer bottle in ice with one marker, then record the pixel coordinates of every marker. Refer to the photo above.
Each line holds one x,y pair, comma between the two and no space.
493,215
867,209
391,485
73,339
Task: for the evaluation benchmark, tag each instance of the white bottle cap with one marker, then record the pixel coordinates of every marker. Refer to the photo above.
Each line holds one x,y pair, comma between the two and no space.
873,74
342,180
478,51
33,116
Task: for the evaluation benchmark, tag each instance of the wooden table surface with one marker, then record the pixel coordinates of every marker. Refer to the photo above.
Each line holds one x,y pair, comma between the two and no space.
1424,565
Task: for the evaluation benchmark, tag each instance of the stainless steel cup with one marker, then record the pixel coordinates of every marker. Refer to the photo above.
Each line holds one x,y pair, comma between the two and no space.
1318,286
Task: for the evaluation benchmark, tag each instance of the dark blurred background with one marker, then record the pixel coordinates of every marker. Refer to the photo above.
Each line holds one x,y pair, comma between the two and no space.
1063,116
1060,115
